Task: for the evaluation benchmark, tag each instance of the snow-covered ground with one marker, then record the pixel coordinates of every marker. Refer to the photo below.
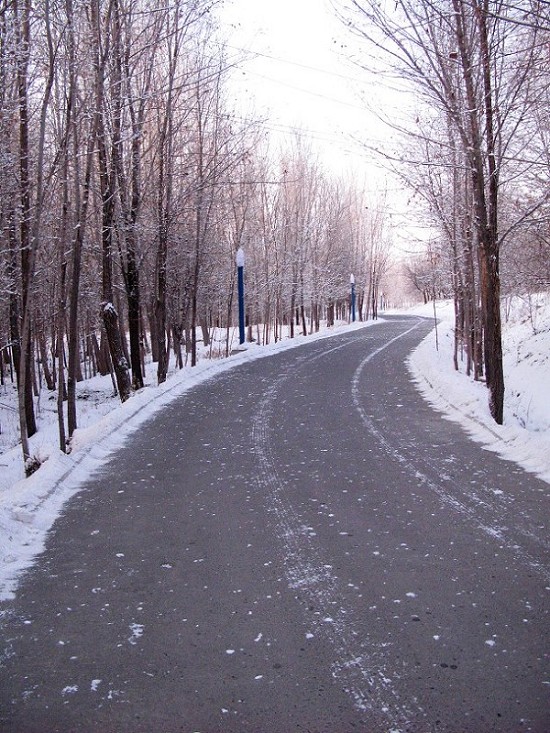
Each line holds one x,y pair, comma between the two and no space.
28,507
525,435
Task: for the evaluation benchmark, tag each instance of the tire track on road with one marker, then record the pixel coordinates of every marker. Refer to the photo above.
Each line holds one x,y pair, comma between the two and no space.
357,666
495,531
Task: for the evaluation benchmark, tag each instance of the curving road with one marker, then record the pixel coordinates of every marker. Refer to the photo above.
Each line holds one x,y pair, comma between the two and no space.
300,544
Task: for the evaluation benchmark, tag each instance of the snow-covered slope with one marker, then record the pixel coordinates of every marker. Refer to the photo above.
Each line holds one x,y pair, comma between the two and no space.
525,435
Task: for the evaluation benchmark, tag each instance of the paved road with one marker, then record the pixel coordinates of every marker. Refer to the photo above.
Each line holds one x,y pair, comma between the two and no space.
298,545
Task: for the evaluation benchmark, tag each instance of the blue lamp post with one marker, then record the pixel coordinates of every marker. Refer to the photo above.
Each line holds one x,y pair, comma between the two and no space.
352,286
240,281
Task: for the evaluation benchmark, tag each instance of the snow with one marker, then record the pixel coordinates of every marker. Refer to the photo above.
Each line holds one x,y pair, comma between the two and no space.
525,435
29,506
137,632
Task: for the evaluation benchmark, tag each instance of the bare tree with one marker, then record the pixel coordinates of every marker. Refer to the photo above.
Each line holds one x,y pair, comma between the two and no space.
103,32
34,177
467,62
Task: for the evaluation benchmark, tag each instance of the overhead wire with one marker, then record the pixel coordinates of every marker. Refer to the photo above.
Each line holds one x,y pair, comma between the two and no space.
353,149
317,69
306,91
313,134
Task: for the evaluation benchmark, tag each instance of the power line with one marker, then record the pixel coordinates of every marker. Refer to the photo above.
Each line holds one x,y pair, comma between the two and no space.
347,144
307,91
294,63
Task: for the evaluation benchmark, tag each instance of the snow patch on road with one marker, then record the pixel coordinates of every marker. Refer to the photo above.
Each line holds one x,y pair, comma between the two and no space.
137,632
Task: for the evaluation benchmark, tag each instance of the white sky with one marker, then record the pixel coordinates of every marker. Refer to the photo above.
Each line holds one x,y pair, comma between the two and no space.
297,75
301,76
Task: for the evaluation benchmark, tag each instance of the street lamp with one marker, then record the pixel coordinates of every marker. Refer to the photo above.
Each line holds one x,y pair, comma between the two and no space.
240,281
352,286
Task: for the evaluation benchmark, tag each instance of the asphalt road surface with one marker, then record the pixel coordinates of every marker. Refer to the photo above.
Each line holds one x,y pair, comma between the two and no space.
299,544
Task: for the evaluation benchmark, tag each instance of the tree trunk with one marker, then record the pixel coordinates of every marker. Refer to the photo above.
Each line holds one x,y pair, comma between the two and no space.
134,330
330,313
101,357
43,350
116,349
292,309
485,195
177,333
129,200
27,420
11,271
492,335
205,332
160,329
107,180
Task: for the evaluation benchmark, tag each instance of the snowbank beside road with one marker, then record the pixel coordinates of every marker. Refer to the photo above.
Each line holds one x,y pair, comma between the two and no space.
28,507
525,435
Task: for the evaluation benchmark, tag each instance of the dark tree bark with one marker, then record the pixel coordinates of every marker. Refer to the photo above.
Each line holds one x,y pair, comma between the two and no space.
62,296
164,207
160,300
12,274
81,195
129,200
107,187
101,357
116,349
43,350
485,194
26,404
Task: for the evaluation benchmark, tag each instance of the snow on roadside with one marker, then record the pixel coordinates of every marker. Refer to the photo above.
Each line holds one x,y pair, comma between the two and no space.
525,435
29,507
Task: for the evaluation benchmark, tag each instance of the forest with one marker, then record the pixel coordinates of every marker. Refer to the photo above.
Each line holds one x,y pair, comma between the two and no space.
129,179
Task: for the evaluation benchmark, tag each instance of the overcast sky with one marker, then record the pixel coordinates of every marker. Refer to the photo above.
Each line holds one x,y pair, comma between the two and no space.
298,74
297,71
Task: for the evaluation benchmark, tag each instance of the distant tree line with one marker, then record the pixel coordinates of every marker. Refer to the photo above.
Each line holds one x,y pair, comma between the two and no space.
127,183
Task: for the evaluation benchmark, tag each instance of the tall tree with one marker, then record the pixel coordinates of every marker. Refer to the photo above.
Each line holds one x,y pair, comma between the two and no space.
27,244
467,61
102,34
